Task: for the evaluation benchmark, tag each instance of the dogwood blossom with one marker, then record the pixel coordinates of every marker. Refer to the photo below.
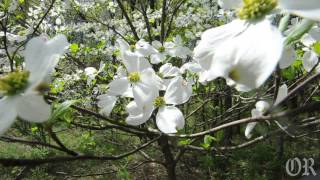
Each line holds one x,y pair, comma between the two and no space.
169,118
138,80
310,57
247,50
262,107
161,51
22,90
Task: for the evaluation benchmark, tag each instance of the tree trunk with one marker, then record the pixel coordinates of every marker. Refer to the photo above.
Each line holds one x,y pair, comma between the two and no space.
169,160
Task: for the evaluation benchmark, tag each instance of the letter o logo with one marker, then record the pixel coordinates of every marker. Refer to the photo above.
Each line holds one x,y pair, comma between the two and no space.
293,167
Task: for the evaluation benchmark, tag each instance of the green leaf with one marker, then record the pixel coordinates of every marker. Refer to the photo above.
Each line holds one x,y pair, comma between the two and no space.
74,48
209,139
61,109
185,142
219,135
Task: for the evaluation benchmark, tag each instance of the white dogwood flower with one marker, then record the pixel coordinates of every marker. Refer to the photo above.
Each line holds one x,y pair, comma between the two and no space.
21,90
169,118
139,82
162,51
247,50
308,9
262,107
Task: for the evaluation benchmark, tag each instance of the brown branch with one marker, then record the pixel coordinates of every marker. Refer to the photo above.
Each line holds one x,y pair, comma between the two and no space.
163,19
278,116
36,162
133,29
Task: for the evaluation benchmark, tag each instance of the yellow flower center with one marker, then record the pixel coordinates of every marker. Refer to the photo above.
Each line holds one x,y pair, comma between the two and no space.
162,49
159,101
256,9
132,48
134,77
14,83
234,75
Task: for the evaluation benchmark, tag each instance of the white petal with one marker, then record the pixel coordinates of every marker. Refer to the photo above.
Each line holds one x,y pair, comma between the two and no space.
262,106
256,113
211,39
307,9
124,46
147,89
106,103
249,129
121,72
118,86
157,58
250,57
144,94
135,63
33,108
167,70
309,60
181,52
41,56
178,92
308,40
191,66
144,48
169,119
169,45
230,4
133,109
156,44
288,57
89,71
282,93
7,113
137,119
128,93
149,77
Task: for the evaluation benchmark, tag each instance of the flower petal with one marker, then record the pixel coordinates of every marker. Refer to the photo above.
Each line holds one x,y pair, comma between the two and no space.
136,118
144,94
41,56
308,9
178,92
33,108
211,39
7,113
250,58
167,70
191,66
106,103
249,128
309,60
262,106
282,93
288,57
144,48
118,86
311,37
169,119
157,58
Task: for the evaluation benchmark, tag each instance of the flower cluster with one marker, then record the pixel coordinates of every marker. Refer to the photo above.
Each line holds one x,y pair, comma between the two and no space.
150,89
